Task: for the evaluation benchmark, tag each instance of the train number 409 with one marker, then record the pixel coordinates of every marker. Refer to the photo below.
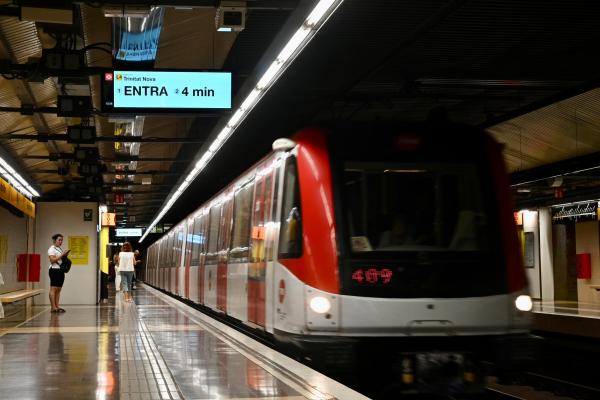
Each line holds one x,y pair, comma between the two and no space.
372,276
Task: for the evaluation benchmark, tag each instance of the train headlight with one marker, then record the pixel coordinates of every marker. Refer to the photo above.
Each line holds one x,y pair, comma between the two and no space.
320,304
523,303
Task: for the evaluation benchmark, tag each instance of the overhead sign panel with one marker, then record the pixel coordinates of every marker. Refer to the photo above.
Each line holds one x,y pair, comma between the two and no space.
147,92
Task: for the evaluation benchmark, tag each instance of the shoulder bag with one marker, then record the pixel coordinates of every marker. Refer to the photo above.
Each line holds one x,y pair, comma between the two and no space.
65,266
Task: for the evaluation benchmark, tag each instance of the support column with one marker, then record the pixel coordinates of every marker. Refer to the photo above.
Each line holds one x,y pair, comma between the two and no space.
546,254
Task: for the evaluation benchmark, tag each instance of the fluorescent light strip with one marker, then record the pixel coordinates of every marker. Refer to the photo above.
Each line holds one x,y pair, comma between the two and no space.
293,47
10,178
16,180
319,12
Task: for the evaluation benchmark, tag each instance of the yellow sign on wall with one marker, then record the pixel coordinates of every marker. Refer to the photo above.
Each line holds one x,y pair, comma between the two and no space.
3,248
103,246
79,246
16,199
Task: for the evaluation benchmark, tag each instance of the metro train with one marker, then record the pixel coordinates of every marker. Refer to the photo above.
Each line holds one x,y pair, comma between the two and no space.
379,243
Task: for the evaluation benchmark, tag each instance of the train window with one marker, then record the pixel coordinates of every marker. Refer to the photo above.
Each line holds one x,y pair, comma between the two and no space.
179,246
196,238
213,234
290,234
262,214
414,207
241,221
258,224
225,227
203,234
189,241
161,251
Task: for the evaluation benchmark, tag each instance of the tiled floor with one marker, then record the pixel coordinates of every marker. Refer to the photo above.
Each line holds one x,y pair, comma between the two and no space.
151,349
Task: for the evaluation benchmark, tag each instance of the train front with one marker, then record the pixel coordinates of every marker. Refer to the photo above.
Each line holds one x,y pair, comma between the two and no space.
409,258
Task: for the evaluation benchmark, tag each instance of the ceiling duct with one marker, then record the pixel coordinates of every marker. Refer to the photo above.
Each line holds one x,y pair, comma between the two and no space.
126,11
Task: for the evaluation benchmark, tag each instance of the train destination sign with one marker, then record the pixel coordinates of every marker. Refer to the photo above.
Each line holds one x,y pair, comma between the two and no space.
165,91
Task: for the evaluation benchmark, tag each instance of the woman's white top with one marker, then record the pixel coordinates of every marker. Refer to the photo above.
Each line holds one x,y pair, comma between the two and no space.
126,261
55,251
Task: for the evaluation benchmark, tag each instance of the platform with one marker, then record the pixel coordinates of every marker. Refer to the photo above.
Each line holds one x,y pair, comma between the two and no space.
567,317
155,348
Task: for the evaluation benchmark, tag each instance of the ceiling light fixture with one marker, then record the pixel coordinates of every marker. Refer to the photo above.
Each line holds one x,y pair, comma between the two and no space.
16,180
315,20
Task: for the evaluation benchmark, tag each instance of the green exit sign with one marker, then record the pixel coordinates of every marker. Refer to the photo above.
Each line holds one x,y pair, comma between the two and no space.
88,213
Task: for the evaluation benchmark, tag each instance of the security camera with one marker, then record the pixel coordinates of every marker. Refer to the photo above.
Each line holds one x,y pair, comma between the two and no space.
231,16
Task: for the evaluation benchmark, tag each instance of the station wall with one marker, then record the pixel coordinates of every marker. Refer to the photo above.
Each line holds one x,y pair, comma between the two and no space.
70,220
588,241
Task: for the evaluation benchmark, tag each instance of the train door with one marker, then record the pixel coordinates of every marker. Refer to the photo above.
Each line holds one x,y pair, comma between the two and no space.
169,266
154,264
273,211
257,266
187,255
174,262
237,266
160,279
223,246
202,246
160,254
193,245
160,264
179,236
210,260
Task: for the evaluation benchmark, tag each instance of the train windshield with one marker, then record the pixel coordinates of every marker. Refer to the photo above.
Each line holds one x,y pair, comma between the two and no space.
414,207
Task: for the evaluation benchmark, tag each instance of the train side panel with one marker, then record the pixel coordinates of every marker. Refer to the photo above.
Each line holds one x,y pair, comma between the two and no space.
237,283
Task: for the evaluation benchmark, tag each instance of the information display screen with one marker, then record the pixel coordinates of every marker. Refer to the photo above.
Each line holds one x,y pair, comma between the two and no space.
128,232
147,92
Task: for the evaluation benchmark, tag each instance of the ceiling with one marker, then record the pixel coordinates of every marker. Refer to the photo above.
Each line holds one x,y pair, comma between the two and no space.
528,73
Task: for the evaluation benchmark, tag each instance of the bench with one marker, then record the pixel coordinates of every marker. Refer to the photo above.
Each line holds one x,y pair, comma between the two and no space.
17,295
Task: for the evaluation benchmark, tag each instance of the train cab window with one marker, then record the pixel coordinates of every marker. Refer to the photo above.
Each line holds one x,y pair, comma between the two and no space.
241,221
290,233
424,207
213,234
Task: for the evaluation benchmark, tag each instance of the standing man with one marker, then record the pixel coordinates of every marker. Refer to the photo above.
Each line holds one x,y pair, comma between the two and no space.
57,277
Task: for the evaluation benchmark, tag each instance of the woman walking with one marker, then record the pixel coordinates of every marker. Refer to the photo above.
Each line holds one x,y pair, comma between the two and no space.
126,262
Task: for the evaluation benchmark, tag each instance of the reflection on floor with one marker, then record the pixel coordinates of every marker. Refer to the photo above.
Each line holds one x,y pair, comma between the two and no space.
118,350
